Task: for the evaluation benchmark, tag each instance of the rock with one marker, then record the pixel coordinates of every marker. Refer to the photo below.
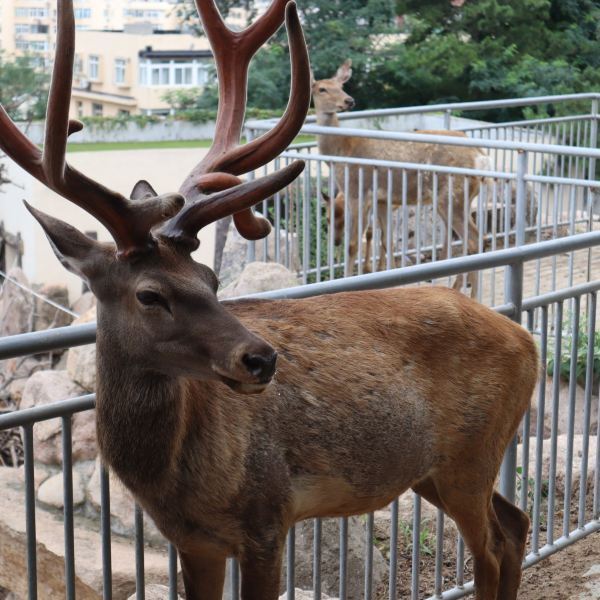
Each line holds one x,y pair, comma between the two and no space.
305,595
561,466
563,414
50,551
235,253
18,371
48,316
330,557
84,303
155,592
81,360
16,305
259,277
51,491
45,387
121,506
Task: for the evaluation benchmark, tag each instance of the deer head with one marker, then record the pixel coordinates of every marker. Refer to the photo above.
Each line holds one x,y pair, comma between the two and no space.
155,303
328,94
338,215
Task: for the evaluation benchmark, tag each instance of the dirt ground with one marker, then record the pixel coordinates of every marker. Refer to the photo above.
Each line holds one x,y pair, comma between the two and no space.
563,575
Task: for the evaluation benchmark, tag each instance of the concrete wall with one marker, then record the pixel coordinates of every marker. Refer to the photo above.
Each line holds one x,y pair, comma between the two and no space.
117,170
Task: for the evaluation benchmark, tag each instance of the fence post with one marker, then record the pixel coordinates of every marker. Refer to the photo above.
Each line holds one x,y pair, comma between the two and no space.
251,244
447,119
521,199
514,295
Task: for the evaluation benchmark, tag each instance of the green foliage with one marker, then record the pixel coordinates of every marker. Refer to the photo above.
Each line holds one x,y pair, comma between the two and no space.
23,87
426,537
582,350
530,492
119,122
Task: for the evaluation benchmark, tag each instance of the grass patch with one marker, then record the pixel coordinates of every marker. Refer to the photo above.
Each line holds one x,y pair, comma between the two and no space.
110,146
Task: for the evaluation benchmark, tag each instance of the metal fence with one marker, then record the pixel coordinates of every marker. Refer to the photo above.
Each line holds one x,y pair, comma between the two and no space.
427,212
563,510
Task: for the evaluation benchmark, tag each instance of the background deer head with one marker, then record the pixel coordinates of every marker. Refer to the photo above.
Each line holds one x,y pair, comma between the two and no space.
328,94
158,306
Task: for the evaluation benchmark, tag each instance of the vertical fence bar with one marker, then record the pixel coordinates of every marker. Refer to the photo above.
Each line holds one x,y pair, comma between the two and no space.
416,549
343,558
348,268
331,251
291,563
389,259
554,424
30,512
539,434
68,507
305,226
439,553
318,527
369,557
375,246
460,562
105,530
514,295
235,579
589,376
318,232
571,414
521,199
393,550
360,227
172,572
251,244
140,592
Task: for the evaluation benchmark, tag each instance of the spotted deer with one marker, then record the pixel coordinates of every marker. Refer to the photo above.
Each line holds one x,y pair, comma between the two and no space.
329,98
230,421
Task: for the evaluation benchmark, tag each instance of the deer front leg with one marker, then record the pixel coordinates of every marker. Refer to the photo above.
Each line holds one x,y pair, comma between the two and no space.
203,576
261,573
472,233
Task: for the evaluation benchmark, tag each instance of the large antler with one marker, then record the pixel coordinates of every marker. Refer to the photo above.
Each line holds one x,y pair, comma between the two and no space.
225,160
128,222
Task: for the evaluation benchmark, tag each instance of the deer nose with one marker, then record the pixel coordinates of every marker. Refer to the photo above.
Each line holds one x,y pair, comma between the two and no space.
349,102
261,367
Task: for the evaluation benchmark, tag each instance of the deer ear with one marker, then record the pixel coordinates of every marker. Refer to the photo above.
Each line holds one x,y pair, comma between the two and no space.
344,72
325,197
142,190
76,251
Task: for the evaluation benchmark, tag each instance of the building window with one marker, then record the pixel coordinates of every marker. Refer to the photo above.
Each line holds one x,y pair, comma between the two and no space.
97,109
173,73
22,28
83,13
38,46
120,65
79,108
93,67
124,113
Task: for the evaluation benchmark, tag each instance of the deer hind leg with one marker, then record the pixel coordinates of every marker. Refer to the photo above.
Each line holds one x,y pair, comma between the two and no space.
472,233
203,577
515,526
368,248
477,522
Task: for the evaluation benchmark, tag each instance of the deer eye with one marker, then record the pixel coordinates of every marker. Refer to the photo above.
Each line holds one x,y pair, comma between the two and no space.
151,298
322,90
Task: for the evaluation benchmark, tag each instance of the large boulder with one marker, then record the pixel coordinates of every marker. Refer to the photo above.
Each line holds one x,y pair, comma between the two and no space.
563,408
235,253
50,551
259,277
45,387
81,360
48,316
16,305
84,303
305,595
121,506
51,491
155,592
330,558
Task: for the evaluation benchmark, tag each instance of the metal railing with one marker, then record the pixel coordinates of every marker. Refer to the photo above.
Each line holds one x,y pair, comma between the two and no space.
525,483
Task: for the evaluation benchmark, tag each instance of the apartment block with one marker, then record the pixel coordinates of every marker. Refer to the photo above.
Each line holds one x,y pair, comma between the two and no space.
30,25
129,72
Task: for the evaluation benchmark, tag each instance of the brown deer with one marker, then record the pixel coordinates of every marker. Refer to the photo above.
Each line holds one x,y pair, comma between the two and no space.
442,386
330,98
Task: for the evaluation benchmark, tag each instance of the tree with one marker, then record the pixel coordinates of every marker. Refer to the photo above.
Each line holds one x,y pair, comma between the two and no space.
23,87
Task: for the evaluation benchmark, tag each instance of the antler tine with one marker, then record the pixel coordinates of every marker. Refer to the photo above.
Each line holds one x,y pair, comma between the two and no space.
233,51
184,227
128,222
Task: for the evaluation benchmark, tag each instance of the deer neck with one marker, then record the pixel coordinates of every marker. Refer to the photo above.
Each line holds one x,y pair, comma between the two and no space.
139,417
329,144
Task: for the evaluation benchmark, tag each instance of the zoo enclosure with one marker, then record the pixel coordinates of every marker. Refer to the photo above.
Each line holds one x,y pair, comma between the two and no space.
546,163
541,186
552,510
